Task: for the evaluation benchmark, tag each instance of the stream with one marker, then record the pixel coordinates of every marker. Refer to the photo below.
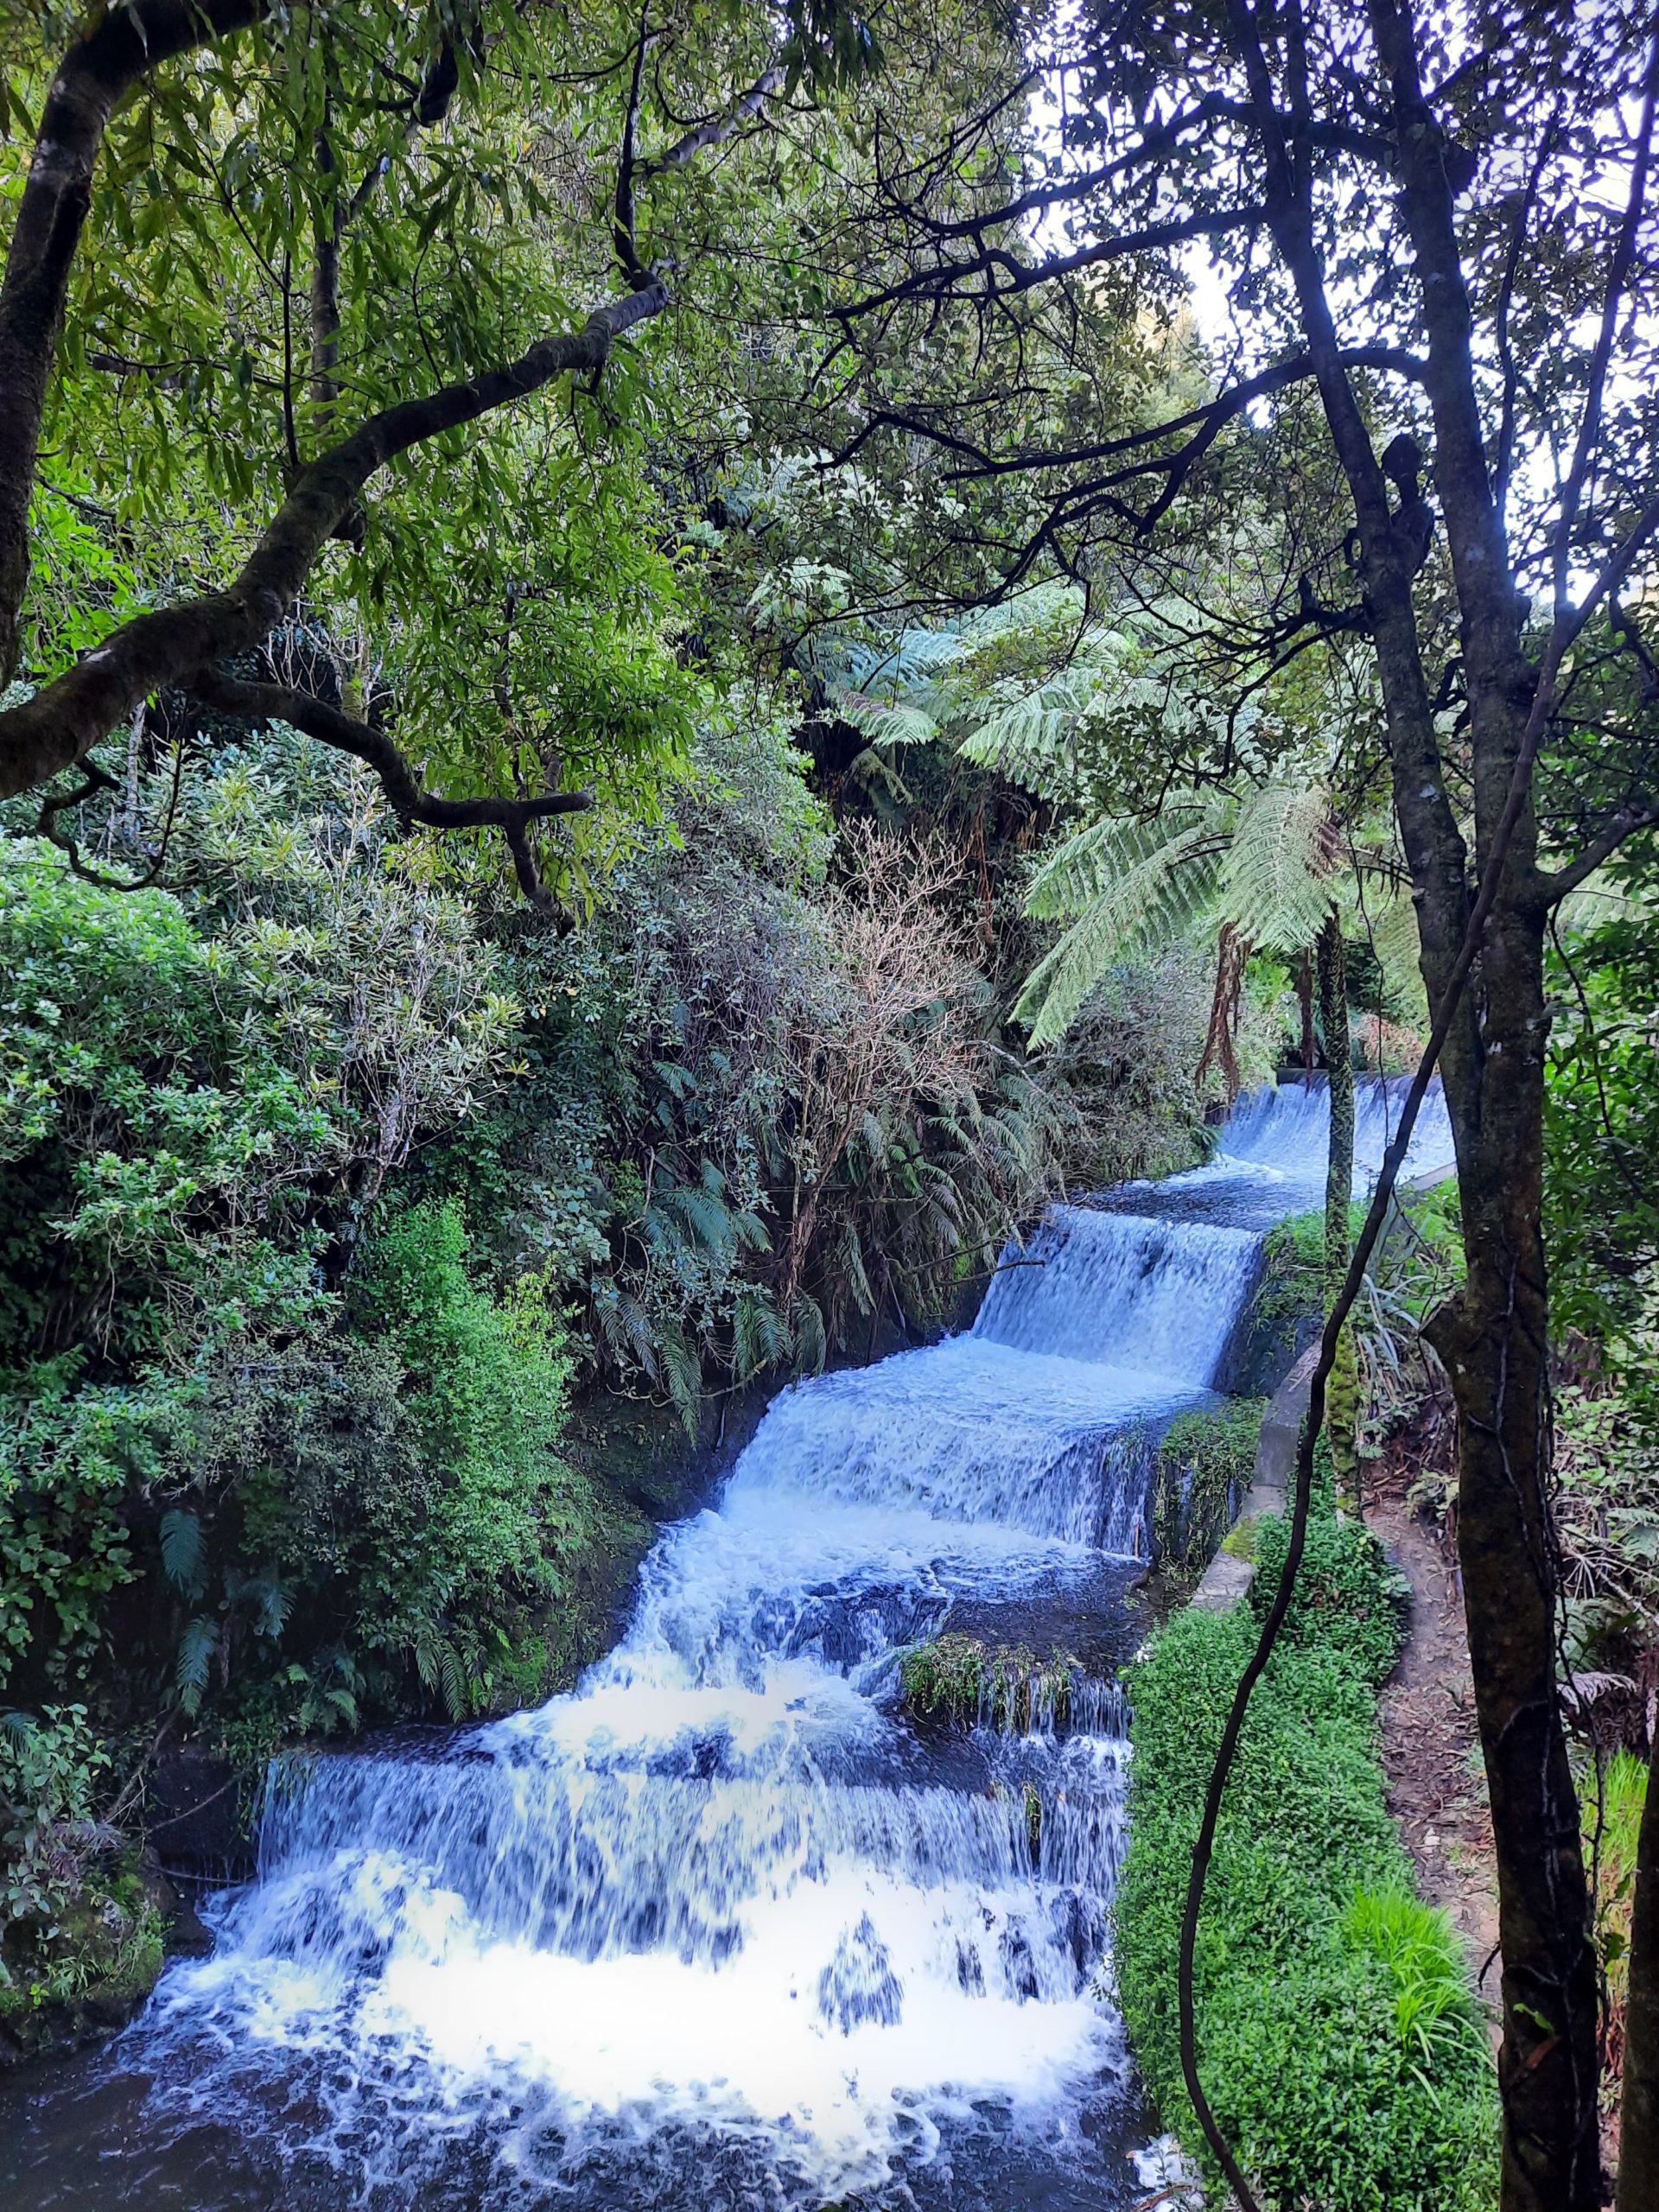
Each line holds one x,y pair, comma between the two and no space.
721,1928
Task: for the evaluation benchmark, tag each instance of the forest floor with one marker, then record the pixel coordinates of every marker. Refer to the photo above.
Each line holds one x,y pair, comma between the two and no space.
1437,1789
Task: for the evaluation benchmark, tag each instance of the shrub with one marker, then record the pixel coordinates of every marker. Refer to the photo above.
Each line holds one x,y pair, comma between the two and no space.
1348,1599
1337,2040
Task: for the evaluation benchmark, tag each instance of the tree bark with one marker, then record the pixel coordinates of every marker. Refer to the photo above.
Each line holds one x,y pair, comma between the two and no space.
1493,1339
1493,1342
116,48
1341,1394
1638,2138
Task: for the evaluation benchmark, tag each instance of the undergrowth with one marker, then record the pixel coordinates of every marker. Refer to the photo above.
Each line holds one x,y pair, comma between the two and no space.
1340,2042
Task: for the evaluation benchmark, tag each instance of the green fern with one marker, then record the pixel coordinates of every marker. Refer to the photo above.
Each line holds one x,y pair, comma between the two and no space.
811,1342
681,1371
1275,884
195,1655
887,722
1130,885
758,1337
184,1552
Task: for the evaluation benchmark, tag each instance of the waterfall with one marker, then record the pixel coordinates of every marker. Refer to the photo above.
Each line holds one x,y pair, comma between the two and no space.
1160,1296
722,1926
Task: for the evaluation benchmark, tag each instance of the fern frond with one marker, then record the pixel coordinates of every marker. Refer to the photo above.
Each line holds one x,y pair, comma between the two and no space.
887,721
680,1368
1156,901
1276,883
707,1219
196,1649
1124,862
758,1337
184,1552
811,1343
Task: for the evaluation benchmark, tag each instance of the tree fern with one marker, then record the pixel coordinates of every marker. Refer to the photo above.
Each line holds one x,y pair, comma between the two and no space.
1129,886
1275,884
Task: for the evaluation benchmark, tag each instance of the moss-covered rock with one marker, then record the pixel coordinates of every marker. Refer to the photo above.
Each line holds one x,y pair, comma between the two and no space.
958,1678
81,1971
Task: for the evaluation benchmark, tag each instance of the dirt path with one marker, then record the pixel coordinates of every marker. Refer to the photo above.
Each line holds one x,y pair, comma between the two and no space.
1437,1790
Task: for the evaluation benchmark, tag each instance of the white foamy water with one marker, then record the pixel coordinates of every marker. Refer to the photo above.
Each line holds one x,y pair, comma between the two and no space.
722,1912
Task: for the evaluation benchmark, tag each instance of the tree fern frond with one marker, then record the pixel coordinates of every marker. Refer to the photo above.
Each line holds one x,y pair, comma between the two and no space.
811,1343
196,1649
1276,883
707,1219
887,721
1156,901
1124,863
681,1372
184,1552
758,1337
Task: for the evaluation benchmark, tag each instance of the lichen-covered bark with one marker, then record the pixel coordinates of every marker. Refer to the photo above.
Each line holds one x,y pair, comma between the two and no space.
1342,1392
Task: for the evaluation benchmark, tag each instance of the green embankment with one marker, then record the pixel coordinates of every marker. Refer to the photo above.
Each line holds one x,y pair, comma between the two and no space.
1339,2041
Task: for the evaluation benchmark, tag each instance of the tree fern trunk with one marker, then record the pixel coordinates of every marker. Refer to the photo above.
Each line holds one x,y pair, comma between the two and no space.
1342,1400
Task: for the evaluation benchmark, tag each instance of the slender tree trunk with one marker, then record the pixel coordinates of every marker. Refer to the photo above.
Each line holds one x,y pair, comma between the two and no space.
1492,1337
1342,1392
1639,2141
1493,1342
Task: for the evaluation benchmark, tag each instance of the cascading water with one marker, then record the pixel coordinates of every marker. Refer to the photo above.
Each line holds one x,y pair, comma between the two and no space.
718,1928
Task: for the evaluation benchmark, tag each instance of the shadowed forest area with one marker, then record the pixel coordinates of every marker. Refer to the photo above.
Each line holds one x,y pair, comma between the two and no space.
829,1105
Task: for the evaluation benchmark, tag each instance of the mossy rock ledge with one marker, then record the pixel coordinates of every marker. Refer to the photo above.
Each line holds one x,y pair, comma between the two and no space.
81,1976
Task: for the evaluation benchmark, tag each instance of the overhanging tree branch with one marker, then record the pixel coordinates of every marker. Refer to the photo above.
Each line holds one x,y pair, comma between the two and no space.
65,718
410,801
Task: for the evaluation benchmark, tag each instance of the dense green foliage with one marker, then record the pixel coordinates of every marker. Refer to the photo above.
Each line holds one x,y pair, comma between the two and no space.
333,1176
1340,2044
1348,1598
333,1179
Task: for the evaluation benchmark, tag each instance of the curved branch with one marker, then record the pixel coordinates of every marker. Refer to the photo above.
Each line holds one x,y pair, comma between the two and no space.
120,47
718,129
65,718
412,804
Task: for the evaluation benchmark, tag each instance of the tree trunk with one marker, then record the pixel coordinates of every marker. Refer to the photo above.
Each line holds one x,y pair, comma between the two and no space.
1342,1391
1638,2142
1493,1342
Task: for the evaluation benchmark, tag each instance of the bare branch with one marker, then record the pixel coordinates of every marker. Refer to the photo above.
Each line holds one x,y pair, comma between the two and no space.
410,801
